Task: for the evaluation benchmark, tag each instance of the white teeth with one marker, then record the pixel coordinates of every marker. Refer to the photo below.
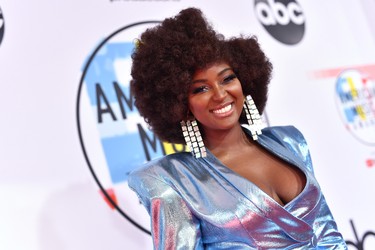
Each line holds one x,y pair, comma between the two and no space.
223,110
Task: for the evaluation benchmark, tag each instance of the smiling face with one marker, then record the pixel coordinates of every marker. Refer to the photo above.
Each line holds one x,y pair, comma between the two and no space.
216,97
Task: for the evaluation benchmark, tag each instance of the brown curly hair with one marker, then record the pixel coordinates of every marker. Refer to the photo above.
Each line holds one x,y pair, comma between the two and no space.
167,56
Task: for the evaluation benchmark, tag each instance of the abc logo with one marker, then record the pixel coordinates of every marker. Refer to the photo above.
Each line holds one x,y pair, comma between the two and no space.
284,20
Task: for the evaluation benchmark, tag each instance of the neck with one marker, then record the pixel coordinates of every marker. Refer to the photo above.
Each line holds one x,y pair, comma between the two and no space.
223,141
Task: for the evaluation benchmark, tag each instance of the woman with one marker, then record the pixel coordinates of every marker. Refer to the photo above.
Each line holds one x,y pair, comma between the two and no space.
242,186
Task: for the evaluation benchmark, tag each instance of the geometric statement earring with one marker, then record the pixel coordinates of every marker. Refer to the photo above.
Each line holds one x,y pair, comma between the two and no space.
253,117
193,138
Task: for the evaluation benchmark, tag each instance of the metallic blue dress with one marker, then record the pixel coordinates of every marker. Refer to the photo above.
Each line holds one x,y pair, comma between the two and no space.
202,204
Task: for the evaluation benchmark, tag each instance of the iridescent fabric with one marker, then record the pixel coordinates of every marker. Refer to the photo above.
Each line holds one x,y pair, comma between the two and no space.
202,204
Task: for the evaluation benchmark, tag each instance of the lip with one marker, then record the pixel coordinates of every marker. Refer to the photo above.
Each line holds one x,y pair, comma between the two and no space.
223,110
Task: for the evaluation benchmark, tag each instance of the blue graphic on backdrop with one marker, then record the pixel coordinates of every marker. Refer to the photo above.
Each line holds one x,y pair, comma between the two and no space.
114,138
113,104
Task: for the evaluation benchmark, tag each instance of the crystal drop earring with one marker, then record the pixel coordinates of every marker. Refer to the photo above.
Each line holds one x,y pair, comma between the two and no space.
193,138
253,117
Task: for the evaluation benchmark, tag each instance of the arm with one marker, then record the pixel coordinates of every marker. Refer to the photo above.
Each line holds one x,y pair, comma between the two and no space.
173,226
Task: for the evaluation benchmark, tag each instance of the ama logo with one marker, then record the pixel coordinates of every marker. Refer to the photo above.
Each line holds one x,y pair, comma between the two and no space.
2,26
114,137
355,99
283,19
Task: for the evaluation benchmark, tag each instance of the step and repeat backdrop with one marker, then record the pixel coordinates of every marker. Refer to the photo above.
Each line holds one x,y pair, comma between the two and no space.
70,133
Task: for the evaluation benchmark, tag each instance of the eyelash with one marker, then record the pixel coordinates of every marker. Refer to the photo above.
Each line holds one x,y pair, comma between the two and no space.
226,80
198,90
229,78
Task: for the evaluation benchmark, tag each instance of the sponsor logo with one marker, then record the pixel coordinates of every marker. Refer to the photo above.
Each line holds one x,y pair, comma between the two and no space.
359,242
355,99
284,20
2,26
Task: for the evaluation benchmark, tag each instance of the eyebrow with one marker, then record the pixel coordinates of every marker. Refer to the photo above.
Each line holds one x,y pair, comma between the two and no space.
205,80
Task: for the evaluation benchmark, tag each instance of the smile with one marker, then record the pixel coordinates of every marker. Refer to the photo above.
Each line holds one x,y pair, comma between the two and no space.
223,110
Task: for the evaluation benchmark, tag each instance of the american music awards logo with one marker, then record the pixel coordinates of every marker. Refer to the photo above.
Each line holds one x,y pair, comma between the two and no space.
355,99
114,137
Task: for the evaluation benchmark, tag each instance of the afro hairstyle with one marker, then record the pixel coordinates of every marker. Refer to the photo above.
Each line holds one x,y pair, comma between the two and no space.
167,56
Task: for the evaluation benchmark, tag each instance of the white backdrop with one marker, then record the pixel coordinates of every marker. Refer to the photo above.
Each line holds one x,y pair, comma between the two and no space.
49,197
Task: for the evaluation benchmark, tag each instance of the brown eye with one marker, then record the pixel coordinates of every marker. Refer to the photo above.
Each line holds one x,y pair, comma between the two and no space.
199,90
229,78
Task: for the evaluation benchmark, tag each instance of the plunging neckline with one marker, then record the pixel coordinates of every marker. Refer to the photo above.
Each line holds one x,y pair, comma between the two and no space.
251,196
233,178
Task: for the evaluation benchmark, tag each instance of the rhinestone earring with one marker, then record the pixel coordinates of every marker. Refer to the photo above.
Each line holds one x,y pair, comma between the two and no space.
193,138
253,117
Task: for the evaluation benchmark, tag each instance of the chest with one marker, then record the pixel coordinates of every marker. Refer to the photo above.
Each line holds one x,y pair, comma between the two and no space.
274,176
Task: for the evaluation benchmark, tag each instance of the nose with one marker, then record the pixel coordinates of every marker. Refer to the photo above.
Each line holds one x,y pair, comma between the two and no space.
219,92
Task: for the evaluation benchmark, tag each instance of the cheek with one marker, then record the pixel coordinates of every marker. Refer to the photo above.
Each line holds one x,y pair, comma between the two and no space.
236,90
239,88
238,93
197,104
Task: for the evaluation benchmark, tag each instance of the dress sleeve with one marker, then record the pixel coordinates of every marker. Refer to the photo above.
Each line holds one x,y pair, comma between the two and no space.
328,236
325,228
173,226
296,142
